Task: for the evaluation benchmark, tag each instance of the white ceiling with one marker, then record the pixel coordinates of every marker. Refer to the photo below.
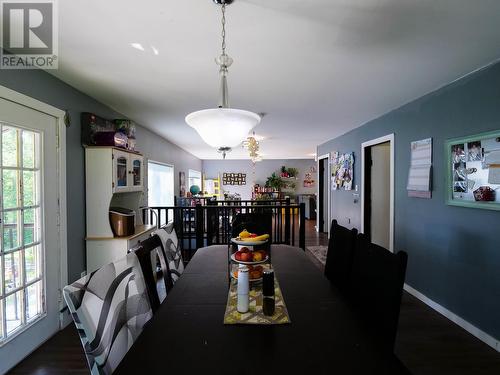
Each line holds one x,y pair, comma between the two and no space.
317,68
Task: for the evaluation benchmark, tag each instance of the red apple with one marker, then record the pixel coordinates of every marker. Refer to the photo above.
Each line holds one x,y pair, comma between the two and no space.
246,257
237,256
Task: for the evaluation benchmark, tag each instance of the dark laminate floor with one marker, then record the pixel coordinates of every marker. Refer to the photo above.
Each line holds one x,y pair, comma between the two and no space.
427,342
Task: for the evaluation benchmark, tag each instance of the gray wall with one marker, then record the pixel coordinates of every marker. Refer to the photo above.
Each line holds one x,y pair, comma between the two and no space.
156,148
263,169
454,252
48,89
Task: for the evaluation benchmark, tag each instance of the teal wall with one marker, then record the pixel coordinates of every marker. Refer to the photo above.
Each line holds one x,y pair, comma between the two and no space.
453,252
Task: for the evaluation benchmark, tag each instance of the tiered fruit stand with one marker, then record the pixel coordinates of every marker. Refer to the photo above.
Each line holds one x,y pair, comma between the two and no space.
233,263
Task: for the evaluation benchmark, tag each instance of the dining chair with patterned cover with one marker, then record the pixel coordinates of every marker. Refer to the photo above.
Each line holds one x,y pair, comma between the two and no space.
341,246
110,308
172,249
154,266
377,282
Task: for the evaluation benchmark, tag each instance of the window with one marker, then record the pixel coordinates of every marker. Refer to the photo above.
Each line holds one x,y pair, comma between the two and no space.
194,178
160,186
21,266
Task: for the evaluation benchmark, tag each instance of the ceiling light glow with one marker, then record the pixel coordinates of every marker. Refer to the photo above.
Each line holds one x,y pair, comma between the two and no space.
137,46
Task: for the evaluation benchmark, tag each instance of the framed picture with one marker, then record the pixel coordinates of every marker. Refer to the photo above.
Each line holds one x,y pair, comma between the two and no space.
473,171
234,179
182,184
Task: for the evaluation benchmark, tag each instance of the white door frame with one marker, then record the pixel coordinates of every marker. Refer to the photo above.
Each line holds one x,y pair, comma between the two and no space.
318,208
18,98
373,142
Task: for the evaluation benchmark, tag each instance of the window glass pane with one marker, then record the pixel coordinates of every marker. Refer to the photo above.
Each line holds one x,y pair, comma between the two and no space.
9,147
9,189
34,300
12,271
1,290
1,320
160,185
194,179
13,310
31,225
28,149
33,263
29,188
10,230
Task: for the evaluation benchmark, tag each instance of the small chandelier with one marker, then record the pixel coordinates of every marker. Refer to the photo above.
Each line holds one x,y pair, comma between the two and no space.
223,127
252,145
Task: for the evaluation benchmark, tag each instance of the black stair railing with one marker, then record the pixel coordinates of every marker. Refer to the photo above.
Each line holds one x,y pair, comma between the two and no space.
204,225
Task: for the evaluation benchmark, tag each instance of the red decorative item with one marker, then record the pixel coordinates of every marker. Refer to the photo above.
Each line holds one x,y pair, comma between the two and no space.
484,194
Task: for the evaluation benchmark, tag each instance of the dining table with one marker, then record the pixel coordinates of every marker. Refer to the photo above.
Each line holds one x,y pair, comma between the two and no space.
187,334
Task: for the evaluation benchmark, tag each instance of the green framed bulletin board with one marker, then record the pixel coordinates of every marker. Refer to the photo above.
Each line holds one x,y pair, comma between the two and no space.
473,171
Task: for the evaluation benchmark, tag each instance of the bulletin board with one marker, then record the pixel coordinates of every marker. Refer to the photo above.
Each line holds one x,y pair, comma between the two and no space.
342,171
234,179
473,171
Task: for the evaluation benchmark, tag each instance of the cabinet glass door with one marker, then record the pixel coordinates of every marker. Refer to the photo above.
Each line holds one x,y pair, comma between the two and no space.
121,171
136,171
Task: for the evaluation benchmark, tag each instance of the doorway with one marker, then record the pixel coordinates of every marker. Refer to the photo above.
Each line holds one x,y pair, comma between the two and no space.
378,191
323,206
32,225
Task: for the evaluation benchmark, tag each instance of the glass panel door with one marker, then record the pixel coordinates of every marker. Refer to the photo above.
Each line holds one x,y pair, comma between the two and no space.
21,271
136,172
121,171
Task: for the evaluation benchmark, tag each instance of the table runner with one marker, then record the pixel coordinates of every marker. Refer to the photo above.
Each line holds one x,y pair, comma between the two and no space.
255,314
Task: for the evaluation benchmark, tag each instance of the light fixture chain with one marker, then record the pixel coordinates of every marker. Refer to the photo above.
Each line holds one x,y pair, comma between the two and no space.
223,28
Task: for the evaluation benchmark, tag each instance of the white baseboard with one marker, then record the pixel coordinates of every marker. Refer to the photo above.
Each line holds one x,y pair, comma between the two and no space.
481,335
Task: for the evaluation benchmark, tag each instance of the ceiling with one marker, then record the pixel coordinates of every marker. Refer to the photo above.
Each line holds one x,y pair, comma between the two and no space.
316,68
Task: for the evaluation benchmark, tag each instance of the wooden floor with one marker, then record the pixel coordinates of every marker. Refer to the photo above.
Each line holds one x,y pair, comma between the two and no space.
427,343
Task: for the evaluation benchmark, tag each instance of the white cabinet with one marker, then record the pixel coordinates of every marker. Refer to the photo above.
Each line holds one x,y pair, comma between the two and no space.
128,171
112,177
102,251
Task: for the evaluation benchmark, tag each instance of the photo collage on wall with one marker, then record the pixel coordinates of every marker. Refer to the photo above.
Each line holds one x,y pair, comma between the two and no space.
475,169
234,179
459,159
342,171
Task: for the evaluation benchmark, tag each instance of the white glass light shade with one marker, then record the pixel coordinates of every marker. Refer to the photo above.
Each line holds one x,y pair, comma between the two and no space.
223,127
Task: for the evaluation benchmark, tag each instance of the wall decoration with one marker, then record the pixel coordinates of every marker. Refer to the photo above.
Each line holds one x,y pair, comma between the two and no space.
234,179
342,171
420,174
182,184
289,172
473,171
309,181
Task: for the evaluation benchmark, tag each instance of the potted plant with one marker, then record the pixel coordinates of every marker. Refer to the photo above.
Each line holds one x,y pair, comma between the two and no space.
292,172
274,182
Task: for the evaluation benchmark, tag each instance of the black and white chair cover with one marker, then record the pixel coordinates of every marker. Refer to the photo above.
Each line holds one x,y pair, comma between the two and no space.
109,307
172,250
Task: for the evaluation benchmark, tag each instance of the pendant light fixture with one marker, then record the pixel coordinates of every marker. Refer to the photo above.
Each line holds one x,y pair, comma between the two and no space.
252,145
223,128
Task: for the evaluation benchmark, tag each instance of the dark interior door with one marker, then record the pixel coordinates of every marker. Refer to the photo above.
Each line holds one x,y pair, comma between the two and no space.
321,198
368,190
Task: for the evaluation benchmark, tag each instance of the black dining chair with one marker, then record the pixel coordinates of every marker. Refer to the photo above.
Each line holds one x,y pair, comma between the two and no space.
376,288
341,246
154,266
256,222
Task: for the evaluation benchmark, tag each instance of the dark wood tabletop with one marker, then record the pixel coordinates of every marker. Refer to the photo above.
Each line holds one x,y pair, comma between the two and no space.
187,334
